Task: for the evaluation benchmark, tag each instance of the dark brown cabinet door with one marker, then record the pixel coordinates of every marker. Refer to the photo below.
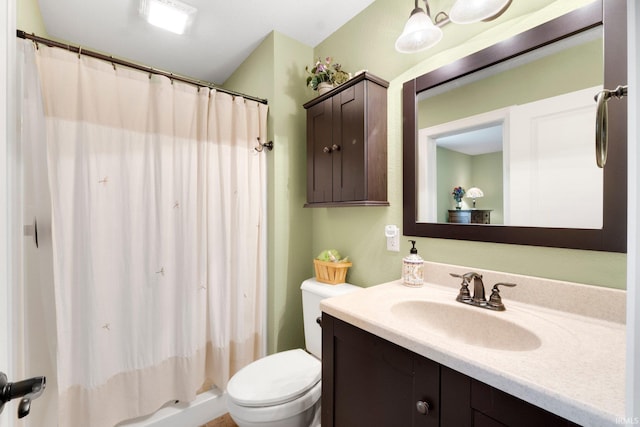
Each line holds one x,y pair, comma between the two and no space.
347,145
508,410
370,382
426,392
375,383
319,156
455,399
349,154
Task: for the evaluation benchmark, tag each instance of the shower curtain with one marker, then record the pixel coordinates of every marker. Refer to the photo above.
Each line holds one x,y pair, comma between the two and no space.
158,228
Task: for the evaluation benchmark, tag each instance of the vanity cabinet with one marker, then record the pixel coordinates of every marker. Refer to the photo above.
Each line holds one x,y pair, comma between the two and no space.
370,382
347,145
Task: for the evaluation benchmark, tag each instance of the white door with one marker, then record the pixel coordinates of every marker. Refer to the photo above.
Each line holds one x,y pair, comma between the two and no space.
552,164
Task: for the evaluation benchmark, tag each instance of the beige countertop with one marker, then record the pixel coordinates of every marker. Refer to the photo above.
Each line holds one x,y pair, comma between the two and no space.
576,369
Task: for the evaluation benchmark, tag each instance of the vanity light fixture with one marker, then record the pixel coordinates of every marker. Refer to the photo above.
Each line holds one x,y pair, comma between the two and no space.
171,15
421,32
470,11
474,193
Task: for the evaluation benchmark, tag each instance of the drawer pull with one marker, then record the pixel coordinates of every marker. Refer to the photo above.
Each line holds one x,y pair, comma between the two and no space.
326,150
422,407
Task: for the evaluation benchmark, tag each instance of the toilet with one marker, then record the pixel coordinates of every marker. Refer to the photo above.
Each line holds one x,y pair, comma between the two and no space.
283,389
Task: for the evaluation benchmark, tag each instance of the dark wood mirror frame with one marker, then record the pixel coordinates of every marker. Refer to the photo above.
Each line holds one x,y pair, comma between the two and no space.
612,236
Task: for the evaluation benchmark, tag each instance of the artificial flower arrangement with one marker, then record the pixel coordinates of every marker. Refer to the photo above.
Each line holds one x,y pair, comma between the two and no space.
326,72
458,193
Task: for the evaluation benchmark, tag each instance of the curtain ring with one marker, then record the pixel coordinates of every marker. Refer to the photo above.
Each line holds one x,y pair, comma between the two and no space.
79,51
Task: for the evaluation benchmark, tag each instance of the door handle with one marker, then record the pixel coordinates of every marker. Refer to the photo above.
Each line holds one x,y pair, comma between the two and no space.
26,390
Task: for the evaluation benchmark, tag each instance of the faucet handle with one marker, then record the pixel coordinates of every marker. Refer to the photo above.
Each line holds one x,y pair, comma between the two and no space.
495,301
464,294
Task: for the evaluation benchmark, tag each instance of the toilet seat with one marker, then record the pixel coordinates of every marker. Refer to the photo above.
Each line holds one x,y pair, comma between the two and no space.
276,413
275,380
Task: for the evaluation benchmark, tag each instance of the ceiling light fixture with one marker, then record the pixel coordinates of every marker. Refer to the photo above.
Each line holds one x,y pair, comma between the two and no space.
171,15
421,33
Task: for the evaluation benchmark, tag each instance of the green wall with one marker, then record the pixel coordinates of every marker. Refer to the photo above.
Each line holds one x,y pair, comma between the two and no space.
29,18
454,169
486,174
483,171
297,234
358,232
572,69
274,71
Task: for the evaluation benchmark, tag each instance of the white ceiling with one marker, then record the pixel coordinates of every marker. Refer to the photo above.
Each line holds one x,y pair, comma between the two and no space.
223,34
475,141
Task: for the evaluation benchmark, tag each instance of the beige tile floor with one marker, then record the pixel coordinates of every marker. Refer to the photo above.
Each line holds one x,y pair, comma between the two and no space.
223,421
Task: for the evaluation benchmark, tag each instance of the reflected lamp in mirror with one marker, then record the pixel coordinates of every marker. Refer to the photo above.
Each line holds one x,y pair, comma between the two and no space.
421,33
474,193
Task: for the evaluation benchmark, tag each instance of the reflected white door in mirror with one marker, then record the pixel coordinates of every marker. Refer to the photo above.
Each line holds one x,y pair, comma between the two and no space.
534,163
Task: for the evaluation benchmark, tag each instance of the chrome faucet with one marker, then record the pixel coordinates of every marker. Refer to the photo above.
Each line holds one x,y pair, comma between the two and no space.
478,299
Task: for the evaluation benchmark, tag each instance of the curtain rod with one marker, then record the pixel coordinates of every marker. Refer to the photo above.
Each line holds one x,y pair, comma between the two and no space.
79,50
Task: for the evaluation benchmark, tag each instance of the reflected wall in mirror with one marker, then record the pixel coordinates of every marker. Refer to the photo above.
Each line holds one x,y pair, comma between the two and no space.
522,131
539,179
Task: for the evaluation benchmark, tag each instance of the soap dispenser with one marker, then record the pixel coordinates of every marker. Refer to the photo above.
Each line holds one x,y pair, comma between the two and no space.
413,268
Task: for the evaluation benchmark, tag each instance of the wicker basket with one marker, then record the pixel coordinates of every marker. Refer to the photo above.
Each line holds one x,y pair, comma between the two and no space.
331,272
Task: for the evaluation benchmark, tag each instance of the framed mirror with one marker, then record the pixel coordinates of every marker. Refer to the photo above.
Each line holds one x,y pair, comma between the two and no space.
538,187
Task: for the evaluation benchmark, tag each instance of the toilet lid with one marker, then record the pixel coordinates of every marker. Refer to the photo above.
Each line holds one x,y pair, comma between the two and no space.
275,379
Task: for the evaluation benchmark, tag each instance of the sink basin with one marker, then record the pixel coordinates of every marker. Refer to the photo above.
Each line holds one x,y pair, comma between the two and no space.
469,325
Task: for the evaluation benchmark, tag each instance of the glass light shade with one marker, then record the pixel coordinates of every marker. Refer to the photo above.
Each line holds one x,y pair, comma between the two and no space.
419,33
474,193
470,11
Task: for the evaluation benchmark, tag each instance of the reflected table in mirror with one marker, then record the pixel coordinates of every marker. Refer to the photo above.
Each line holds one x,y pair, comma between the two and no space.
470,216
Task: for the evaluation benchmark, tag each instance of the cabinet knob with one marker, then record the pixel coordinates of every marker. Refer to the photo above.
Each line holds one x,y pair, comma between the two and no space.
335,147
326,149
422,407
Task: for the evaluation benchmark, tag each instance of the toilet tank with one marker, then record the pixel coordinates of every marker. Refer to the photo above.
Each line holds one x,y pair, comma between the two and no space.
312,293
